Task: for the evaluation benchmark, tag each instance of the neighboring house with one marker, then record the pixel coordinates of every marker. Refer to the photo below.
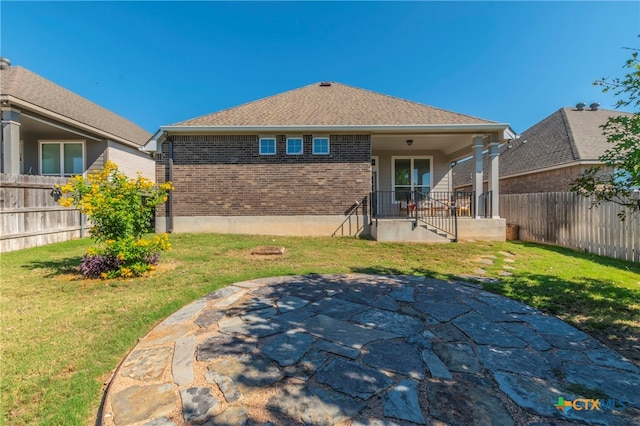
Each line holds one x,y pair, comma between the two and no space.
550,155
301,162
51,131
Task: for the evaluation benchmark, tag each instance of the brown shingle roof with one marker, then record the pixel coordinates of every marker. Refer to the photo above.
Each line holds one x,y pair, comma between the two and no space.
565,137
33,89
334,105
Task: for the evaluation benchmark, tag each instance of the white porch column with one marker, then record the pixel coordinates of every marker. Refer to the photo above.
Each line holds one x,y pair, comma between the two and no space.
10,160
477,174
494,178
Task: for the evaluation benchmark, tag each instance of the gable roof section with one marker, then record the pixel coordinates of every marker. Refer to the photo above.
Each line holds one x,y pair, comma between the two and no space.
565,137
26,89
334,105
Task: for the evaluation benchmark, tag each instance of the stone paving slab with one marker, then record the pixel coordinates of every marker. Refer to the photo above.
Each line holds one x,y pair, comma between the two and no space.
361,350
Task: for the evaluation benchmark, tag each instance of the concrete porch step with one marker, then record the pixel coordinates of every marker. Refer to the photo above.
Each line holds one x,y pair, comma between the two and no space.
402,230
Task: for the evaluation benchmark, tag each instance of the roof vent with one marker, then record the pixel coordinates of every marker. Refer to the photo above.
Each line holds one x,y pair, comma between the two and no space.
4,63
594,106
325,83
580,106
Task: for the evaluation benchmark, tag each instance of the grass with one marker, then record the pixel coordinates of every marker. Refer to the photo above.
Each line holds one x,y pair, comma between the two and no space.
61,336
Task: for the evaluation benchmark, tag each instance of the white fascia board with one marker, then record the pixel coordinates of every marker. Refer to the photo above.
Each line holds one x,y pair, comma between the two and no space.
154,144
417,128
69,121
559,166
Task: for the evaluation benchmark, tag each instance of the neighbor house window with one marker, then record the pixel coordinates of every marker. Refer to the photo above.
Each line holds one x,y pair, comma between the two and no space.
410,174
267,146
320,146
294,146
59,158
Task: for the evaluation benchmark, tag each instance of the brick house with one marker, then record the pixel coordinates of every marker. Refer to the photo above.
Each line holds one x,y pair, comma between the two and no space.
548,156
305,161
51,131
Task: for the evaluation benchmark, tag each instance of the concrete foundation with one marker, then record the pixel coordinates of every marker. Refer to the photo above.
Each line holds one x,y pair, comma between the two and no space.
260,225
482,229
390,230
403,231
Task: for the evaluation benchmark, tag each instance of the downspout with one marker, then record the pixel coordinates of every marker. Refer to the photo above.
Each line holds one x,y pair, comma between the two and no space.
170,224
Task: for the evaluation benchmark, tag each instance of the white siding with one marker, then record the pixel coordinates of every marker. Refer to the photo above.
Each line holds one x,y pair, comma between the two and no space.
131,161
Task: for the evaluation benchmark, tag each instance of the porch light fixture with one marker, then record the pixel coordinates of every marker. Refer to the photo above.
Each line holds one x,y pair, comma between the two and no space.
409,142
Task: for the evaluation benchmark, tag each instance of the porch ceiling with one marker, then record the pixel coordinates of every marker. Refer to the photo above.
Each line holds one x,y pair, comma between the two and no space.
32,128
447,143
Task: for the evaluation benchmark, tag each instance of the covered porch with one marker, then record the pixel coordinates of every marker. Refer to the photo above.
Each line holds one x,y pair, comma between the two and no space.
412,197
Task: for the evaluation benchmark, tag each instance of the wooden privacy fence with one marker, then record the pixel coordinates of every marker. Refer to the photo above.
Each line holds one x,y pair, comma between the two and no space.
566,219
30,215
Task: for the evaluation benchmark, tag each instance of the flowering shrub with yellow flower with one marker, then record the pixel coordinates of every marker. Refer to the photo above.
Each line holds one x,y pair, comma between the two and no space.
120,209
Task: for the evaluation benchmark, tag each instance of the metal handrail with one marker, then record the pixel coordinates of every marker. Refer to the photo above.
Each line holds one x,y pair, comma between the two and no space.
351,211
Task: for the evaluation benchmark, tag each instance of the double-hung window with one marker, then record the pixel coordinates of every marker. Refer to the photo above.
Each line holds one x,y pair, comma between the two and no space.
61,158
267,146
294,146
321,146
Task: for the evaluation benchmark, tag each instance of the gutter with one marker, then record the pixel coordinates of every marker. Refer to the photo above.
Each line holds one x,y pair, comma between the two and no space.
448,128
155,142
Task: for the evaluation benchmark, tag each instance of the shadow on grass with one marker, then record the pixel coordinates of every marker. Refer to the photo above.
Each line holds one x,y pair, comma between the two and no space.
68,265
583,255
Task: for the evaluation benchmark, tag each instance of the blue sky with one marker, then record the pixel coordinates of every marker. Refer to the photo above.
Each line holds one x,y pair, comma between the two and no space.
159,63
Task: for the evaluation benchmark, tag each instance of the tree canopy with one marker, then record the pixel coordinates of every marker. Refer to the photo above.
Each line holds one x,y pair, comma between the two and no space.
618,178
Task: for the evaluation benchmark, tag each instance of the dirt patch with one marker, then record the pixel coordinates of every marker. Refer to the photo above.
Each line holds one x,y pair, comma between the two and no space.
267,251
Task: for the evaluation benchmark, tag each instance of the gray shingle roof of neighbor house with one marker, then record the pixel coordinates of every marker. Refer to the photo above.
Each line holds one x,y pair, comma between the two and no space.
28,89
332,104
566,137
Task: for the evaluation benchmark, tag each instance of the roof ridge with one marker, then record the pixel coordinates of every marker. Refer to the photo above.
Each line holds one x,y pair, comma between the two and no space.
572,141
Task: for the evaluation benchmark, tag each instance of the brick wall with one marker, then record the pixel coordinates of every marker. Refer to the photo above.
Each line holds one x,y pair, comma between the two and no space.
557,180
225,176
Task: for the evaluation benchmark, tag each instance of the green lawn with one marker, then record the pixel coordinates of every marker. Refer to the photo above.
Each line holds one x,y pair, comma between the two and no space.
61,336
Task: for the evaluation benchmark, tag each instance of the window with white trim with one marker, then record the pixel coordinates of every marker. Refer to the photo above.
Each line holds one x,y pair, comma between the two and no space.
294,146
410,174
321,146
267,146
61,158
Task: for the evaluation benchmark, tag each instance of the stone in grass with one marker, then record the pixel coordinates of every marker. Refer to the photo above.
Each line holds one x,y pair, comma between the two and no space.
401,402
198,404
268,251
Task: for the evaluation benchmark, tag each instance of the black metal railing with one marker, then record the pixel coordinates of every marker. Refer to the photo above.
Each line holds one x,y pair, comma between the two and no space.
395,204
354,221
437,210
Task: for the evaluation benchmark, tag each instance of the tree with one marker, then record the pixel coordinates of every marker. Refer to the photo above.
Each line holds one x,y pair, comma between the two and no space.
618,178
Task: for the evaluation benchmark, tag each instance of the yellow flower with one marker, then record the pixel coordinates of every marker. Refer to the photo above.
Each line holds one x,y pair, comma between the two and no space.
103,275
